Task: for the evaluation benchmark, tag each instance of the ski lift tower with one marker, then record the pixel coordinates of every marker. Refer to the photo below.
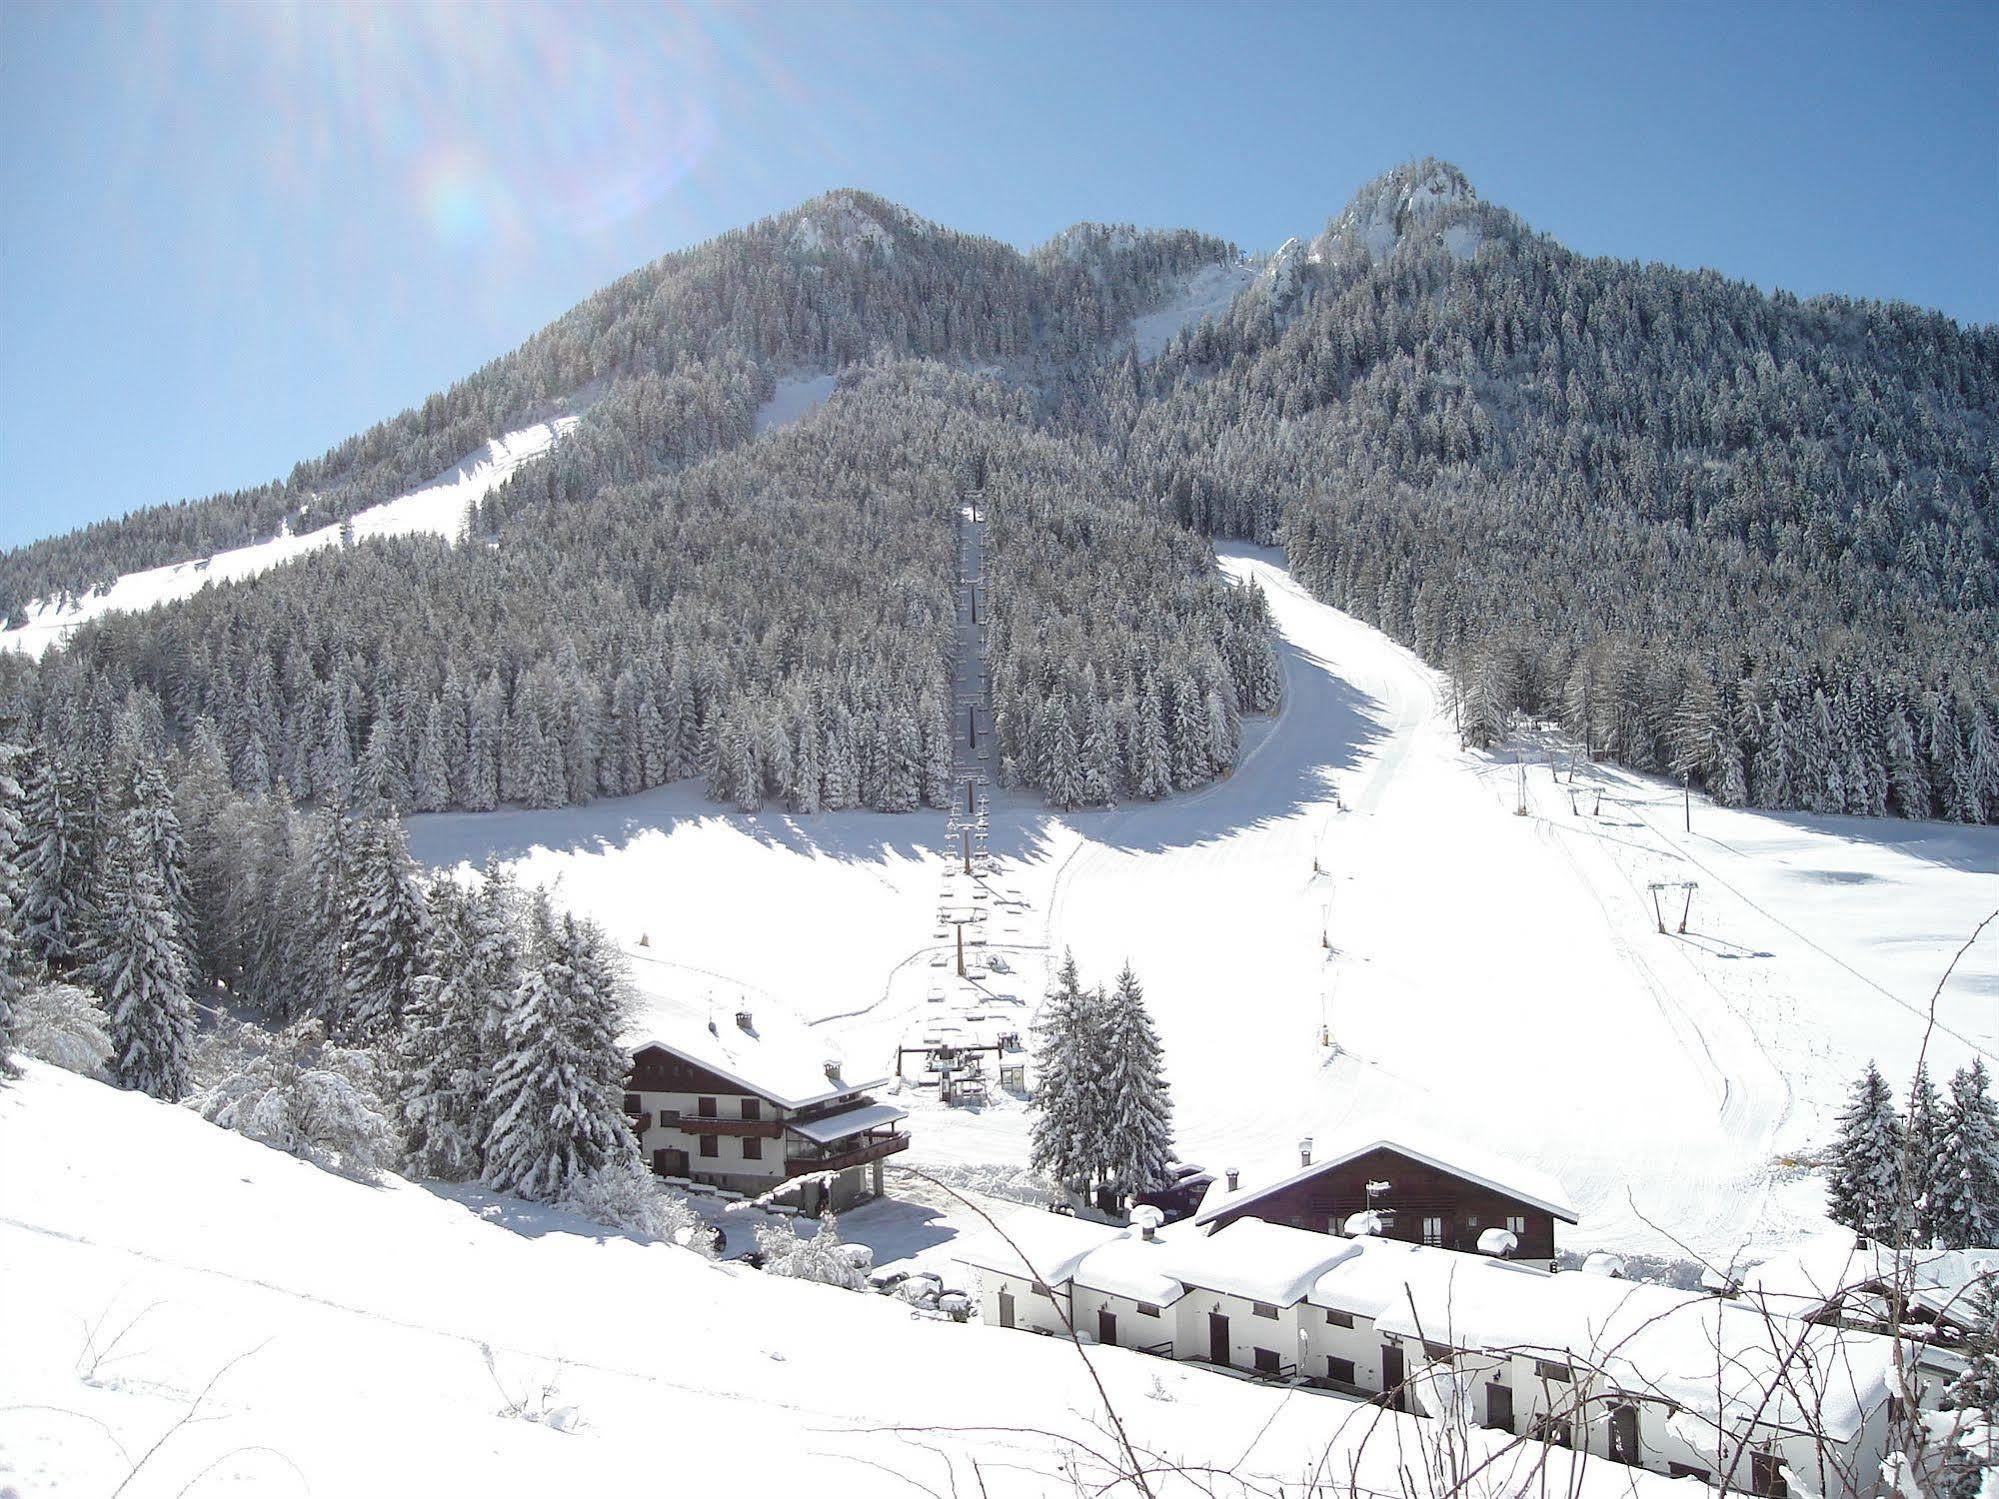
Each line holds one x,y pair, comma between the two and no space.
1686,908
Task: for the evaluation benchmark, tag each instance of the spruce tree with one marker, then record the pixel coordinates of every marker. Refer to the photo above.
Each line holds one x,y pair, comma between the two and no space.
1067,1127
385,927
55,863
326,904
139,969
1864,1174
12,959
1925,1133
558,1087
1967,1176
444,1072
1137,1140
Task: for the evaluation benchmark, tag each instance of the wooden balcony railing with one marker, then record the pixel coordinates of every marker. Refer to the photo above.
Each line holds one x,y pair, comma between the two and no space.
761,1129
871,1148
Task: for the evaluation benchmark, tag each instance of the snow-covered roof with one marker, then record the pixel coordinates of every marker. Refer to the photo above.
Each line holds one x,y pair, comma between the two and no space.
848,1122
1714,1359
1270,1262
1037,1245
1834,1265
1133,1267
1508,1178
1378,1278
776,1057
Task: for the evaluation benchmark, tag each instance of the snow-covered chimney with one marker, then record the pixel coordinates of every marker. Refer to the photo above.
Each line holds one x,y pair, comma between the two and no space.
833,1069
1235,1178
743,1020
1146,1230
1305,1151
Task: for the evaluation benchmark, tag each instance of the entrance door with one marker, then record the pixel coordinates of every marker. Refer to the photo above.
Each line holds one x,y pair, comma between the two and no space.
1499,1407
669,1162
1106,1327
1218,1338
1392,1376
1006,1308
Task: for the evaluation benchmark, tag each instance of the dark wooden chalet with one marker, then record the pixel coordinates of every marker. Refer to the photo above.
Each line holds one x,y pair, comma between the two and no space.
1421,1194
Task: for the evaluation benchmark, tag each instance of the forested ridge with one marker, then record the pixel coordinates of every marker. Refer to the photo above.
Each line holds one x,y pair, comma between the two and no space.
1714,532
840,279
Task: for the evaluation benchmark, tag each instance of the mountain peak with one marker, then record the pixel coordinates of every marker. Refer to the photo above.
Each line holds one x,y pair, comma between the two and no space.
849,222
1396,202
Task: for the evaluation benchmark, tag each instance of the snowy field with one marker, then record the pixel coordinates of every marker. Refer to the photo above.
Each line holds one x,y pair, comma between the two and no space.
211,1317
1492,976
437,507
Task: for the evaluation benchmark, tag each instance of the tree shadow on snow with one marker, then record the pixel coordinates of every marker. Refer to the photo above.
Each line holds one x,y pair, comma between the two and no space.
1294,761
1953,845
448,839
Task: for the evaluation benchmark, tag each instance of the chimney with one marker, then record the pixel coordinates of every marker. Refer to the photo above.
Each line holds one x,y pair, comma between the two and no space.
1305,1151
1146,1230
833,1070
1235,1178
743,1020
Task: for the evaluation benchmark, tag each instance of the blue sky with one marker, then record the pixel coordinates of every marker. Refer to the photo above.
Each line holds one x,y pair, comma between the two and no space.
231,235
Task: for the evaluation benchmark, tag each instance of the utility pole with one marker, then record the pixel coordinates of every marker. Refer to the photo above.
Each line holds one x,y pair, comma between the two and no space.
961,948
966,834
972,724
1687,801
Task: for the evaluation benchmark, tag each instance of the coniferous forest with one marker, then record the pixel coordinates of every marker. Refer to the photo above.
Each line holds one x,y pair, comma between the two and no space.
1712,531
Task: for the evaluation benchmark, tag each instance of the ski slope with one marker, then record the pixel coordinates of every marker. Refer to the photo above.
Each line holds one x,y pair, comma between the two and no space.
188,1313
437,508
1206,293
1492,976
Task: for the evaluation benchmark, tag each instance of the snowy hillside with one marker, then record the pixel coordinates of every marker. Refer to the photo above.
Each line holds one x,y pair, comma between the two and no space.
229,1320
437,508
1492,976
1206,293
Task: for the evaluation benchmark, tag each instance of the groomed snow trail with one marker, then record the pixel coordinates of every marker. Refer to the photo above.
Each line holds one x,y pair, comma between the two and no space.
1492,976
438,508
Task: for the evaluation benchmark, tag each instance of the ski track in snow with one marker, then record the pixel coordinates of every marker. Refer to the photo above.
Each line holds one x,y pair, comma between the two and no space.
1491,976
437,507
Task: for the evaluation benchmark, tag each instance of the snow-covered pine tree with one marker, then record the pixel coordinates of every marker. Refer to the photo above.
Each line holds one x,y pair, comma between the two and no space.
327,905
1137,1141
56,862
453,1035
558,1087
430,787
12,959
203,803
139,969
1967,1175
441,1065
1067,1128
1925,1134
1973,1397
1863,1177
385,930
156,828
